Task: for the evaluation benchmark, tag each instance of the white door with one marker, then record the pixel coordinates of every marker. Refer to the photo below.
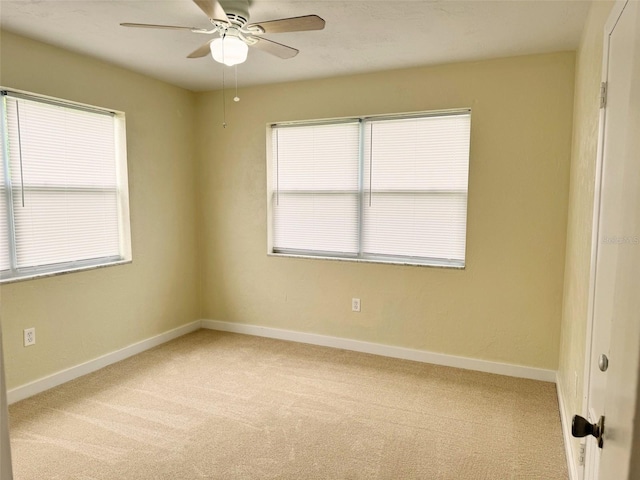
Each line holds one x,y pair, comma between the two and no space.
616,279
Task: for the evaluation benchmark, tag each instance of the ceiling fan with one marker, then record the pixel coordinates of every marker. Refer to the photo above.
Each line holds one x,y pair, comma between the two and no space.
235,35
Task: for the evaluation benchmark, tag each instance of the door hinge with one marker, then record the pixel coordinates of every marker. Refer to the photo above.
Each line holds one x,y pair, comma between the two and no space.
603,94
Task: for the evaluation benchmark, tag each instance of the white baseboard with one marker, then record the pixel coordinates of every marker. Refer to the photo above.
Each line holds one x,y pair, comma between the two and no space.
63,376
385,350
572,461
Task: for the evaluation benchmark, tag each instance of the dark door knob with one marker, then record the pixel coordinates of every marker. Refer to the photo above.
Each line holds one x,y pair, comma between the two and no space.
580,427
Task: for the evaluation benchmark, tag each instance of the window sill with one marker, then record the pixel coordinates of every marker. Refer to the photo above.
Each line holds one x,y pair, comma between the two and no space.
401,262
55,273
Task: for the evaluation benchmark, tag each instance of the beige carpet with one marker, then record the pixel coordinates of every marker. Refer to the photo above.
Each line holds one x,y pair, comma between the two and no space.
215,405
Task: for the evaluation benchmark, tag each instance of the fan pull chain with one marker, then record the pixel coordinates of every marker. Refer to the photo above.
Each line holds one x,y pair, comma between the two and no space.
224,102
236,98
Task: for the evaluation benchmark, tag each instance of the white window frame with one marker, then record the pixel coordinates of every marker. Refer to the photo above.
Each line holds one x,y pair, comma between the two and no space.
16,273
272,192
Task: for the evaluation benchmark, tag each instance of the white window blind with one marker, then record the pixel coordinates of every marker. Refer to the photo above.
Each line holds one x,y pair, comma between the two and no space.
68,198
316,188
416,197
4,230
381,189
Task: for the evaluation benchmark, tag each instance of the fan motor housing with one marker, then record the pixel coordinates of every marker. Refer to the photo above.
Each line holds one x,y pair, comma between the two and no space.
237,11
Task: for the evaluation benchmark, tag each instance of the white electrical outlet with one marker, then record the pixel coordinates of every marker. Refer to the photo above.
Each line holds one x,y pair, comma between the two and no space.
29,336
355,304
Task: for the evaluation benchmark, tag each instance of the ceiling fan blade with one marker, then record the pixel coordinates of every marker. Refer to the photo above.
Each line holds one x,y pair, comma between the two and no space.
165,27
212,9
201,51
294,24
274,48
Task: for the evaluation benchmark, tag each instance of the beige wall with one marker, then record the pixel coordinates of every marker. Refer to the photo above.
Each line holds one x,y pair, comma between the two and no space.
505,307
582,182
81,316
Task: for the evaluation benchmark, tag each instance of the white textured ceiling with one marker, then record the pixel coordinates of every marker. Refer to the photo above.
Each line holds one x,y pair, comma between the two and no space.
360,35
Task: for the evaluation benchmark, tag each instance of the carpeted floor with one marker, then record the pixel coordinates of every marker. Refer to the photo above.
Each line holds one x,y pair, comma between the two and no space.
214,405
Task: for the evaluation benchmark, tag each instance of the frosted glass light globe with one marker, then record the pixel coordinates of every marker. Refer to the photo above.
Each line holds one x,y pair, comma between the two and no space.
229,50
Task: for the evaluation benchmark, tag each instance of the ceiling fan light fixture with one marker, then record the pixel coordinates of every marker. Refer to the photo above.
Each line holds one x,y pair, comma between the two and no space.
229,50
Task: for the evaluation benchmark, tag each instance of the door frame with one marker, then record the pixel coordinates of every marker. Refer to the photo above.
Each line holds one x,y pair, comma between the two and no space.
5,448
612,20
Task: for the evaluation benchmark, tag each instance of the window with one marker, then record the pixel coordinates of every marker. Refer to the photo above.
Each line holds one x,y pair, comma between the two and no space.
387,189
63,187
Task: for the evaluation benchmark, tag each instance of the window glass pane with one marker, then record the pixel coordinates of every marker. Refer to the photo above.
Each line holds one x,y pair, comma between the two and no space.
66,196
315,185
416,225
316,157
428,153
322,223
4,230
416,171
57,226
61,147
